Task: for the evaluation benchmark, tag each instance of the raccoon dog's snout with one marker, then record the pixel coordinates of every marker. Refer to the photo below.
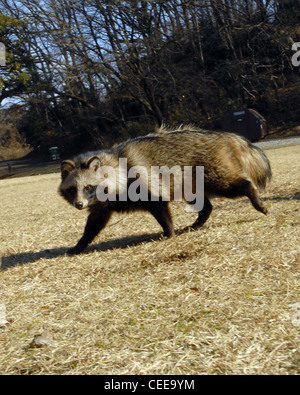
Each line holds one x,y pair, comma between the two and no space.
79,205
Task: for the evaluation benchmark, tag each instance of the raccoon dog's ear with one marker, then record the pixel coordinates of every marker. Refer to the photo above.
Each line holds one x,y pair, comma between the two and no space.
94,163
66,167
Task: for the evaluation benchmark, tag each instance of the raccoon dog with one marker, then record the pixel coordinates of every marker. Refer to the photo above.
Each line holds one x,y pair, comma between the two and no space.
233,167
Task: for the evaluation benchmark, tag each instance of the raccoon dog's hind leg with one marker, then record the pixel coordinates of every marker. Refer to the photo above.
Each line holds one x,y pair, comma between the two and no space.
241,187
252,194
244,187
203,214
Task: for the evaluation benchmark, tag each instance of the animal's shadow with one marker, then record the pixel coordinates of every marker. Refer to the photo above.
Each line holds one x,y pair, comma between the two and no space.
28,257
121,243
295,196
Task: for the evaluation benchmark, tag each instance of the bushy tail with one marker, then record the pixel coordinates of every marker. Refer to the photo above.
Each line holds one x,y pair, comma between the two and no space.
258,167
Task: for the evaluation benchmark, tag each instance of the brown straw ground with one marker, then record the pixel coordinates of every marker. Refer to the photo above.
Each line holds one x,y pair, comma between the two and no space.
221,300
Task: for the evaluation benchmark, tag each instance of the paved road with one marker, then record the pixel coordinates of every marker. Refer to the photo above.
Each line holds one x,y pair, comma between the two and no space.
28,167
279,142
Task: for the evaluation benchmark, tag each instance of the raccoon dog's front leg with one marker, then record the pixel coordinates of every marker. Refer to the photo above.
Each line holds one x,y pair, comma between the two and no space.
161,213
95,222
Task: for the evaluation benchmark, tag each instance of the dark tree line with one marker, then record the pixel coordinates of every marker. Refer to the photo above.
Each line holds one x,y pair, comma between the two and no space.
96,71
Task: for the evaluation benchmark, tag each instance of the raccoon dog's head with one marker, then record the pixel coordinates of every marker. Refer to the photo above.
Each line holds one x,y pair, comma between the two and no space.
79,182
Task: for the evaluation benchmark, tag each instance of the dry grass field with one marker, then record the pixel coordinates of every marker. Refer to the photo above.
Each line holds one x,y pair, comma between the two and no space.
221,300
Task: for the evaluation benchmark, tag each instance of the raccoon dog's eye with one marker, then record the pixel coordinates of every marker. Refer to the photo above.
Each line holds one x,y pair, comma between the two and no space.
88,188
